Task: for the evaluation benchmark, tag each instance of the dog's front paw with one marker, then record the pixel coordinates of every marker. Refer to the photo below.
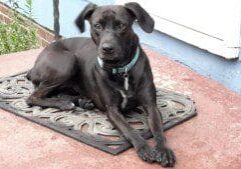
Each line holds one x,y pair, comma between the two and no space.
146,154
165,157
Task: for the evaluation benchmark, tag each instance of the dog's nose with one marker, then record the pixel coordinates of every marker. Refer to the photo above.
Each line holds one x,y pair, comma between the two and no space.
107,48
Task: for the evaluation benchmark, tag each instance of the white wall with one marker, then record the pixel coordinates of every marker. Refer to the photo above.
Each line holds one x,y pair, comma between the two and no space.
213,25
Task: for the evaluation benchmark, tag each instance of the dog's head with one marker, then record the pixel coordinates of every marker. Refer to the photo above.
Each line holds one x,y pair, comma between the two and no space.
111,28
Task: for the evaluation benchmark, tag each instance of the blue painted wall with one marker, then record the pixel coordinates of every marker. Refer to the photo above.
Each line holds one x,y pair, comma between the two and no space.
227,72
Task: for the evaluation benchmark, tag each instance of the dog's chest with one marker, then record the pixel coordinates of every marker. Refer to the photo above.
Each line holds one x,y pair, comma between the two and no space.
126,97
123,84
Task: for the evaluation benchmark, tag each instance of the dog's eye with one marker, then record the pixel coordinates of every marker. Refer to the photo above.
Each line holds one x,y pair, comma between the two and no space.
121,27
98,26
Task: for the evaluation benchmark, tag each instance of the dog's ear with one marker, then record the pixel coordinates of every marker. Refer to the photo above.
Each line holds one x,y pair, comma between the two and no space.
85,14
143,18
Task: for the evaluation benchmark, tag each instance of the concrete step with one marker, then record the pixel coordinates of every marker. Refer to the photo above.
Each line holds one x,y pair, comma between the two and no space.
209,141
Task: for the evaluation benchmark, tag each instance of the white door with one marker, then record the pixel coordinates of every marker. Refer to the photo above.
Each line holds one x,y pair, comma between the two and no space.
213,25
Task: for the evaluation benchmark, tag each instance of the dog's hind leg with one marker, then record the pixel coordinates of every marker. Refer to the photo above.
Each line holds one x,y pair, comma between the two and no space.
78,101
86,104
40,97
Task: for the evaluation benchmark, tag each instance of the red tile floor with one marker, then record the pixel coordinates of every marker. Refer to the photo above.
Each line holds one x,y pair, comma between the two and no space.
211,140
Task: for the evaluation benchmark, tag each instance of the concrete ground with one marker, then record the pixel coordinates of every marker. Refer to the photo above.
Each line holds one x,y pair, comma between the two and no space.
212,140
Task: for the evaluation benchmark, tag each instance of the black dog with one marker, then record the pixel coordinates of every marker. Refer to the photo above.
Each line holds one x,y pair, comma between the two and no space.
111,70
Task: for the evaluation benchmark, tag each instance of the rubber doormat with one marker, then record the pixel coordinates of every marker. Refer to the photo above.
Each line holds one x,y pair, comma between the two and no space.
91,127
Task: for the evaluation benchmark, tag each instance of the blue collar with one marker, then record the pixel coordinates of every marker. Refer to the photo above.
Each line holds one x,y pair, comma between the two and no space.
125,68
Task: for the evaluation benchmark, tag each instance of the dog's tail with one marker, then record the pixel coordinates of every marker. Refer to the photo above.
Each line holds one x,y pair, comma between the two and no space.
31,76
28,75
